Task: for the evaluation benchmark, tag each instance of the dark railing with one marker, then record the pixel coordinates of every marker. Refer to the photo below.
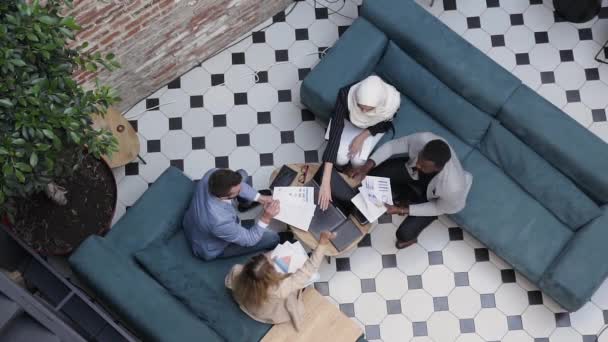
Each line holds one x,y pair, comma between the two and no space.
60,305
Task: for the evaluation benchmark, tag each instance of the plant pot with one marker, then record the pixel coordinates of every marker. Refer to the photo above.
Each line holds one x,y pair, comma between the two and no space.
52,229
577,11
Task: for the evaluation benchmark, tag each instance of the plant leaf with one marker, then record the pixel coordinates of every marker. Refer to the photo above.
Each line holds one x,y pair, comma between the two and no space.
90,66
17,62
20,176
45,19
34,159
6,103
70,23
23,167
32,37
48,133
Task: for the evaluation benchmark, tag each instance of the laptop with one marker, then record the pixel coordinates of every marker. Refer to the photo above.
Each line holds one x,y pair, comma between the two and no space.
335,218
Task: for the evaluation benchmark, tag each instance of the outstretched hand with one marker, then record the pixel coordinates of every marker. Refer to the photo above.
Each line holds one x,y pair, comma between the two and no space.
393,209
271,209
324,196
355,147
326,237
360,172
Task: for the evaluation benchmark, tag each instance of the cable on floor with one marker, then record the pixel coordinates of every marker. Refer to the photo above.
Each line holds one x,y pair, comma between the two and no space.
254,74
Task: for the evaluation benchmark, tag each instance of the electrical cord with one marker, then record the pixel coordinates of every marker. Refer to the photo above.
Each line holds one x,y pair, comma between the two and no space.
255,73
599,334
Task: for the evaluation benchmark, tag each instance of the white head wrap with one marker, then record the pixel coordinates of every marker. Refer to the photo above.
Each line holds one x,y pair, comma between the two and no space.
373,92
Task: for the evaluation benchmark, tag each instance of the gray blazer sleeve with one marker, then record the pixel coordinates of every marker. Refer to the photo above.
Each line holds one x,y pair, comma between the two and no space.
247,192
233,232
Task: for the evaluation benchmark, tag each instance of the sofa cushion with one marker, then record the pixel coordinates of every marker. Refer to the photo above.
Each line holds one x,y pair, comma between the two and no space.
581,267
559,139
509,221
461,66
536,176
338,68
200,285
412,119
172,192
442,103
141,302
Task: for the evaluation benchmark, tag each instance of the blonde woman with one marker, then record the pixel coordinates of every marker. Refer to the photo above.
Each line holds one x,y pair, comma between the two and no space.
362,114
269,296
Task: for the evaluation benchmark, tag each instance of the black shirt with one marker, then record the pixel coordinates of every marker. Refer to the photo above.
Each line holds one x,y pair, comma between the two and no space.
341,112
422,183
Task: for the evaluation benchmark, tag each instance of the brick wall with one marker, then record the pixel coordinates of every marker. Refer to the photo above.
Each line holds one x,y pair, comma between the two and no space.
157,40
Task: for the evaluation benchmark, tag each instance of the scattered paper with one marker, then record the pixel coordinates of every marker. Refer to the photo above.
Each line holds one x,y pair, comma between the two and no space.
378,190
297,205
373,194
371,211
289,258
304,194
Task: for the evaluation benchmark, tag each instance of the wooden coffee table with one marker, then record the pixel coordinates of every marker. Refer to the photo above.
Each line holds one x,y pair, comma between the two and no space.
306,237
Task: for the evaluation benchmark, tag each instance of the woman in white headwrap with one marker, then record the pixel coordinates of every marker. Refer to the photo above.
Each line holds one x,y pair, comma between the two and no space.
362,114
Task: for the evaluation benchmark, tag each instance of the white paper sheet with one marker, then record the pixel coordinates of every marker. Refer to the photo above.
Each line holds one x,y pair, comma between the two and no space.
305,194
377,190
289,258
295,213
371,211
297,205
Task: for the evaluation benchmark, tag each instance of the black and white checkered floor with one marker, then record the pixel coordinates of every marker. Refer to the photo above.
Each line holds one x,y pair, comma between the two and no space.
448,287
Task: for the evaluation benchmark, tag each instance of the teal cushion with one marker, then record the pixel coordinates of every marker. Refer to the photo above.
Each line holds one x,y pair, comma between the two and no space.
340,68
200,285
535,175
452,110
171,192
412,119
559,139
581,267
142,303
458,64
509,221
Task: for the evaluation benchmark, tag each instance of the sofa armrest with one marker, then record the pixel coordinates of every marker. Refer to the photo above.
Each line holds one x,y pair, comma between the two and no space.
146,307
157,213
581,267
352,58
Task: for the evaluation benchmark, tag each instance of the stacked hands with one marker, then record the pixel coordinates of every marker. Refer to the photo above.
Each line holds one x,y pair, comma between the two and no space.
357,173
271,207
326,237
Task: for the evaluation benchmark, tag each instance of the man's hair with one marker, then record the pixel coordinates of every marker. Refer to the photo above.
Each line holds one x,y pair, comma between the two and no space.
436,151
222,180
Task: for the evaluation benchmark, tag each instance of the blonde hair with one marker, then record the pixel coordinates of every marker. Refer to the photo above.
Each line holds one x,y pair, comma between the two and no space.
251,286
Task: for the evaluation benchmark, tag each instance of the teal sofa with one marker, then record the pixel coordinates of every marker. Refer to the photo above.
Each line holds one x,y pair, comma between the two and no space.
144,272
540,188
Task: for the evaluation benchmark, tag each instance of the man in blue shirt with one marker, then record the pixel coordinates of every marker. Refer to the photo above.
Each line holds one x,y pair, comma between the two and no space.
211,224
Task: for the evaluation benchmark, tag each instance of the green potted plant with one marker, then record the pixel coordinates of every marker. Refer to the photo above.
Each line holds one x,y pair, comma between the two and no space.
55,189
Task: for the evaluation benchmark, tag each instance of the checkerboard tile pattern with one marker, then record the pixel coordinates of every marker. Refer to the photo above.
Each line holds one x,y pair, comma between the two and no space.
241,109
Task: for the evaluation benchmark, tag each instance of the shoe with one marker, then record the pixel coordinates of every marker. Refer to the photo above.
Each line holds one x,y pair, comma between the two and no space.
405,244
243,207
